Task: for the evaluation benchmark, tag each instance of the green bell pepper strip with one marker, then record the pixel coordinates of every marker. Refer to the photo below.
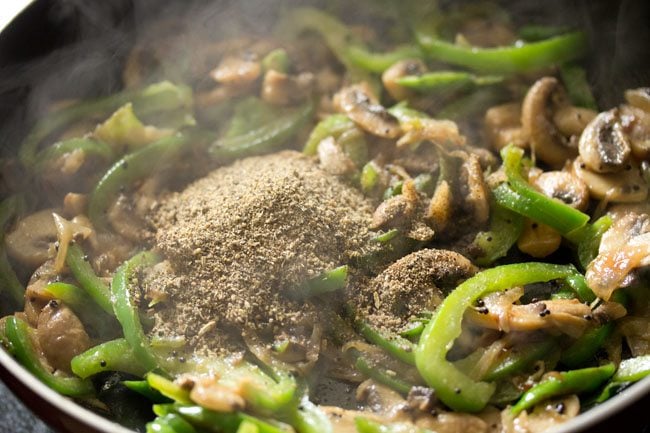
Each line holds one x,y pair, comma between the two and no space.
88,145
163,96
515,362
519,196
633,369
584,349
588,239
396,346
83,305
263,139
404,113
250,113
168,388
506,60
379,62
473,104
563,383
534,33
143,388
89,281
21,347
578,284
505,228
333,125
575,81
364,425
446,80
453,387
247,427
329,281
378,374
369,177
276,60
219,422
126,310
170,423
114,355
609,391
310,419
134,166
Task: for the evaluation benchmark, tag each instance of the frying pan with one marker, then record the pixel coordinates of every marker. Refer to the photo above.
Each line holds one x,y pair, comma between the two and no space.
38,50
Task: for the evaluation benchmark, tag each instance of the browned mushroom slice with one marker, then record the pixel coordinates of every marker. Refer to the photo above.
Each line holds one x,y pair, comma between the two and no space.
282,89
400,70
545,416
546,142
503,126
623,248
476,198
568,316
417,282
362,107
624,187
571,120
29,243
603,146
397,211
639,98
441,207
636,125
207,392
564,186
61,335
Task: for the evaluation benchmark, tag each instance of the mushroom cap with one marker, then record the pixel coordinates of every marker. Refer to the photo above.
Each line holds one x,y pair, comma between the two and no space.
542,99
603,146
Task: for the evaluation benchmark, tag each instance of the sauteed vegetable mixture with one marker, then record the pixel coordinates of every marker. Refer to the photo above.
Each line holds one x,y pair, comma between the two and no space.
332,229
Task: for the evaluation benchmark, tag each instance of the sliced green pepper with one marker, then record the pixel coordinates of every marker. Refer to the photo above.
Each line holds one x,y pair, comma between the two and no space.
505,228
126,309
563,383
263,139
133,166
443,80
18,334
453,387
364,425
586,346
333,125
143,388
329,281
163,96
633,369
114,355
379,374
218,422
506,60
575,81
518,196
89,281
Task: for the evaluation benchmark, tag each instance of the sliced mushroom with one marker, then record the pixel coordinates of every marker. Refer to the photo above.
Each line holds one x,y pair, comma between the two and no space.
571,120
476,198
546,141
503,126
498,312
639,98
29,243
282,89
417,282
544,417
397,211
363,108
564,186
636,125
603,146
441,207
399,70
624,187
123,219
61,335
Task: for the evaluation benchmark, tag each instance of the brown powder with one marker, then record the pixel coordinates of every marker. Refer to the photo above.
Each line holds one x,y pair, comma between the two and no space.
239,240
415,283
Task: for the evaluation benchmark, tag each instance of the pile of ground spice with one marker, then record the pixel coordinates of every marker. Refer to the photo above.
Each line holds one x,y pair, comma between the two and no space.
241,240
413,284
